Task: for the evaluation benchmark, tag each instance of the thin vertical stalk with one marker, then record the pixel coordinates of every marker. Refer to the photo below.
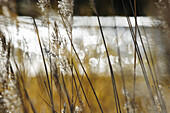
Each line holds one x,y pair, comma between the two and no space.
134,80
81,64
116,96
140,58
60,98
120,63
21,86
156,87
82,87
48,104
68,98
32,107
45,66
48,23
160,99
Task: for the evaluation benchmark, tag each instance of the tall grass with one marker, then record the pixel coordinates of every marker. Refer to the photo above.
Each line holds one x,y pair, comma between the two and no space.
62,89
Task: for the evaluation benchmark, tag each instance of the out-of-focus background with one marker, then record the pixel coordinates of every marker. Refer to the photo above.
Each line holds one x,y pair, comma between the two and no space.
81,7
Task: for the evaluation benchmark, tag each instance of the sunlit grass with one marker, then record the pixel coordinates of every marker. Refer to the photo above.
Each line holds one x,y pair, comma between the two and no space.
59,87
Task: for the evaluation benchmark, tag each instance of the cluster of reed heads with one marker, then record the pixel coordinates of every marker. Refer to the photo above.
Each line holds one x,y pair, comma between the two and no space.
60,88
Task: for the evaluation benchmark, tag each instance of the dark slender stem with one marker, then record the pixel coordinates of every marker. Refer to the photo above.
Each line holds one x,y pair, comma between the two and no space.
45,66
68,98
82,88
134,81
120,62
83,69
32,107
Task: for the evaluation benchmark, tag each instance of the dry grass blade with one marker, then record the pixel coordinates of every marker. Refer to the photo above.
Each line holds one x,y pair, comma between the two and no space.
134,81
111,70
149,64
58,84
83,69
68,98
160,97
51,73
21,87
154,79
45,66
120,62
32,107
142,64
140,58
82,88
75,83
116,96
48,104
47,88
